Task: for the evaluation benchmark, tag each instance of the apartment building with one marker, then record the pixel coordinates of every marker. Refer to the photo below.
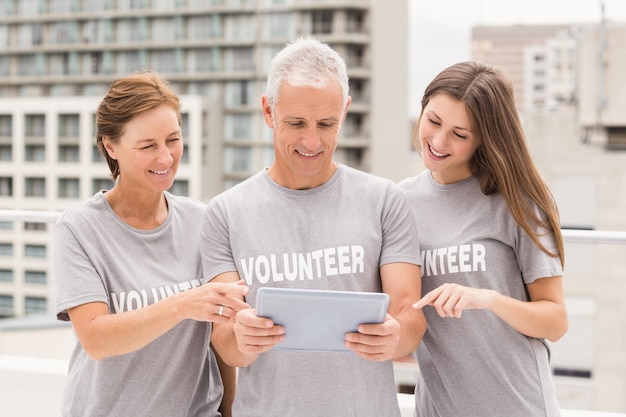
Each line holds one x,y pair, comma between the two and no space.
578,142
58,57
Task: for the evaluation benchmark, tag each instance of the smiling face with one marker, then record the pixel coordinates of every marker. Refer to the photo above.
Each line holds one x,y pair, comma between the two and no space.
446,139
149,151
306,124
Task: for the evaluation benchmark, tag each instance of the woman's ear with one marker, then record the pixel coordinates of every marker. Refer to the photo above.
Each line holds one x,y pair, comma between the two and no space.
108,145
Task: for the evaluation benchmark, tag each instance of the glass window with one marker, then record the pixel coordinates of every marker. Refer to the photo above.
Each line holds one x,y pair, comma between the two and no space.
238,126
99,184
4,225
35,226
4,36
180,187
322,22
35,277
35,251
204,27
6,305
6,249
35,125
6,125
239,93
127,62
238,160
279,26
4,65
6,153
59,64
34,153
163,30
26,65
205,60
6,275
6,186
69,188
69,153
96,156
239,27
69,125
129,30
355,20
35,187
163,61
240,59
35,305
62,32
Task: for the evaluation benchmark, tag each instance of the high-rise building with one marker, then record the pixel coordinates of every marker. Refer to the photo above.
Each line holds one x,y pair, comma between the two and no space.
58,57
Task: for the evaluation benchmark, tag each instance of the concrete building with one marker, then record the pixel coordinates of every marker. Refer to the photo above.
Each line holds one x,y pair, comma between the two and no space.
579,147
58,57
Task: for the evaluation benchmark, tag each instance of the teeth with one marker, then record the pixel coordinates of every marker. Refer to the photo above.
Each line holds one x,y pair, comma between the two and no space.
440,155
160,172
306,154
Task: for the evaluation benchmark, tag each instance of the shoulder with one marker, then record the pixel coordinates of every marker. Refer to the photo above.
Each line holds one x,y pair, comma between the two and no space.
92,207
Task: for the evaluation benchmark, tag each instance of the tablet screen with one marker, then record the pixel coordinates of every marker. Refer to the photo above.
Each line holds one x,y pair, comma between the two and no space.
317,320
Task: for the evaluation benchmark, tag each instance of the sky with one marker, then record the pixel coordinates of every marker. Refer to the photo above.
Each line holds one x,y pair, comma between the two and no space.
440,30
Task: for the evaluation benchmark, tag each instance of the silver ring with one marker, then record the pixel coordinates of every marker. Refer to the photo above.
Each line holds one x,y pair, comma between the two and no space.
220,312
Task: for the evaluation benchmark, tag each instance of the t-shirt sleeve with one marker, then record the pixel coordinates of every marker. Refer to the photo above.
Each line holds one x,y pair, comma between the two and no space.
400,234
215,248
76,280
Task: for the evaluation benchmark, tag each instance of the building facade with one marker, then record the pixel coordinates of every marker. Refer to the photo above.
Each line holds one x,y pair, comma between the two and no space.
578,143
58,57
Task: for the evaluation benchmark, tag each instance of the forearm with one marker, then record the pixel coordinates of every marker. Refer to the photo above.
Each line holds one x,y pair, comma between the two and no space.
225,343
106,335
543,319
412,328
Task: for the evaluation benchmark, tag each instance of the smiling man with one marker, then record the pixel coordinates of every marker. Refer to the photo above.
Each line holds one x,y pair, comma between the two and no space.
309,222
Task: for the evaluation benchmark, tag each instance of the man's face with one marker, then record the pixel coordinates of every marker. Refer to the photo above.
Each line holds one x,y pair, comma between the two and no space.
306,124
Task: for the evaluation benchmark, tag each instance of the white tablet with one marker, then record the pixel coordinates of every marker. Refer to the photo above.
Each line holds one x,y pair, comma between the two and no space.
318,320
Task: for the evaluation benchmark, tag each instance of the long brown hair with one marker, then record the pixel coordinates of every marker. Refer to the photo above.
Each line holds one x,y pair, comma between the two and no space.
127,97
502,162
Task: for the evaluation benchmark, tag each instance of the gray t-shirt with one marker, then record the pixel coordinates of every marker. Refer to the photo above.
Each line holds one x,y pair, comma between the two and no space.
478,366
336,237
99,258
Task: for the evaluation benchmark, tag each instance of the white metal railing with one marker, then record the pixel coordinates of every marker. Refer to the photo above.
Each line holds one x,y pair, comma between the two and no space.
569,235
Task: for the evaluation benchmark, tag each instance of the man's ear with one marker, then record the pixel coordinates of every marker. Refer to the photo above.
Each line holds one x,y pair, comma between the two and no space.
108,146
267,112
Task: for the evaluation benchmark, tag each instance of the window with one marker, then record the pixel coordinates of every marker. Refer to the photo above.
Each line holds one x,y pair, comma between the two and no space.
279,26
69,188
6,186
163,30
6,275
6,125
240,59
238,160
35,251
204,27
69,153
96,156
35,305
59,64
35,187
35,277
355,19
35,125
4,225
35,226
322,22
6,153
62,32
239,93
163,61
239,27
238,126
68,125
6,305
180,187
205,60
26,65
127,62
355,56
6,249
35,153
99,184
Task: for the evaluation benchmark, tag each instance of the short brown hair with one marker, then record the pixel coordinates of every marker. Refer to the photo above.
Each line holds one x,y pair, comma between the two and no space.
128,97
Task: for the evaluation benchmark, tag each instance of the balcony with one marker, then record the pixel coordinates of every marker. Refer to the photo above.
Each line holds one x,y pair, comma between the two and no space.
589,363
